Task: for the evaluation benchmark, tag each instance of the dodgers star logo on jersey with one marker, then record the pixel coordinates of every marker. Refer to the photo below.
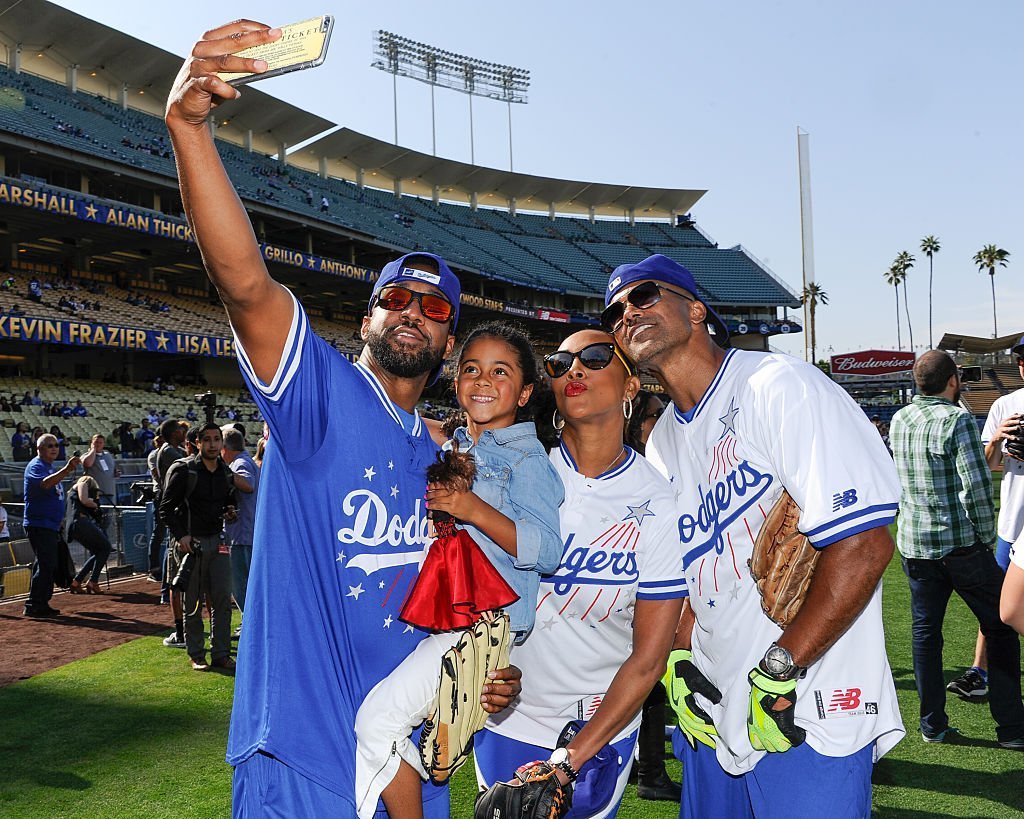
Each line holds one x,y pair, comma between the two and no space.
734,486
608,560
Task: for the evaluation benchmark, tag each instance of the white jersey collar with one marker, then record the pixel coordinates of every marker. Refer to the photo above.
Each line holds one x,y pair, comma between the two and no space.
390,406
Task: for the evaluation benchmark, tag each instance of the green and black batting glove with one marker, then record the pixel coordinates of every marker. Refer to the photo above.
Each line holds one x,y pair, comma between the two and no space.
682,680
770,730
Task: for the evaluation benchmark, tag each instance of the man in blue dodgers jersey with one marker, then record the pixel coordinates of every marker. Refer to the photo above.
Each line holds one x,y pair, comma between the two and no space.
344,477
743,426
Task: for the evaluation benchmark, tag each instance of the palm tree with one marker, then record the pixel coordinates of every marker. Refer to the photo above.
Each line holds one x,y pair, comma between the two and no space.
894,276
988,258
812,296
929,247
904,261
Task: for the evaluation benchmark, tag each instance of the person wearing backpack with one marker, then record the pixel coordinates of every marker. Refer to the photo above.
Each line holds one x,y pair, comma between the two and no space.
198,494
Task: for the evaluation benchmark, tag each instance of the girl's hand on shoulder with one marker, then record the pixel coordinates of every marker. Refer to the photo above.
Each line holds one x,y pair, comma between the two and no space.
461,505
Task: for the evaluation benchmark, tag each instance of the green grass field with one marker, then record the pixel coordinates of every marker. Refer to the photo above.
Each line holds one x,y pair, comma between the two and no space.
132,732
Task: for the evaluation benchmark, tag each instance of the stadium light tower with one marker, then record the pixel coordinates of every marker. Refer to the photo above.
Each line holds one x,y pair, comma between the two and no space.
400,56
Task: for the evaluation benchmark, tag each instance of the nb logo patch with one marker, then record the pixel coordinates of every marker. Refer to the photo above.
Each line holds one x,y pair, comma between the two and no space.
844,699
840,500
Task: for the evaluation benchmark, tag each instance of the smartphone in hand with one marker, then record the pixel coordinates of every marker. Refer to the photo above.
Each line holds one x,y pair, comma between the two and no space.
301,45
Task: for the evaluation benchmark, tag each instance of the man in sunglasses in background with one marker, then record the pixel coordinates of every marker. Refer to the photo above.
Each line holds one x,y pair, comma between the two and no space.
343,528
785,722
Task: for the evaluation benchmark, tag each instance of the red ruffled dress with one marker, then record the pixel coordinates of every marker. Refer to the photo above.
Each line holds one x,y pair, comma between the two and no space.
457,583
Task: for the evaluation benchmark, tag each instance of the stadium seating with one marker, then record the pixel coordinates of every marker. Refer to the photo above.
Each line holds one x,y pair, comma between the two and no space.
563,254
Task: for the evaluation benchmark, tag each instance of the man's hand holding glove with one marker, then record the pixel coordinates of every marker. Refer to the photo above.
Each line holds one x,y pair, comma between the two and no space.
772,730
682,680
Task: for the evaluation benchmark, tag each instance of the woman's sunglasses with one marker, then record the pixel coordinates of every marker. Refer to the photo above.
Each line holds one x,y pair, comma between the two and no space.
594,356
641,297
396,298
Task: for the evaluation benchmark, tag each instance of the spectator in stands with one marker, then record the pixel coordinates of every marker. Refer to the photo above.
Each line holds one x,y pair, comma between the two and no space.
8,282
15,403
35,291
21,443
144,438
44,516
5,405
261,447
37,401
325,204
16,310
88,526
240,530
61,442
946,534
101,467
79,410
197,493
26,399
153,416
65,410
36,432
125,439
5,532
190,413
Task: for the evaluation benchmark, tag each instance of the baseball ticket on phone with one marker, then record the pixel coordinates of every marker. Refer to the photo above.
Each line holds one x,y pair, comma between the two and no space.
301,45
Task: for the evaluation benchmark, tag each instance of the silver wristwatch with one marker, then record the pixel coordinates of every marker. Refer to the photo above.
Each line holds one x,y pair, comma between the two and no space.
560,759
778,664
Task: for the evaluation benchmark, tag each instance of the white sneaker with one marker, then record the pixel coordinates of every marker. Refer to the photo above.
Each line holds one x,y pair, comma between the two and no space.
172,641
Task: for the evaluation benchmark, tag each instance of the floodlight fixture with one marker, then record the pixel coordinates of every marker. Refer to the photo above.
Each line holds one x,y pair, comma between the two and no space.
437,67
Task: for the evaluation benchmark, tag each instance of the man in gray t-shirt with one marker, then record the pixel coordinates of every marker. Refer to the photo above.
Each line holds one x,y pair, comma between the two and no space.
100,465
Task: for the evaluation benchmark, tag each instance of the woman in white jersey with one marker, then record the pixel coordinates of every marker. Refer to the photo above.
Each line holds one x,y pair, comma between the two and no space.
605,619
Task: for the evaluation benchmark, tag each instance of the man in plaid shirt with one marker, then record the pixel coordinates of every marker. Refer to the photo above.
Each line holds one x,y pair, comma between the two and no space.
946,533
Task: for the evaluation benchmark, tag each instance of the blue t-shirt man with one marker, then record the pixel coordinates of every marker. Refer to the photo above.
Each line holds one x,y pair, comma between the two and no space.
44,508
341,530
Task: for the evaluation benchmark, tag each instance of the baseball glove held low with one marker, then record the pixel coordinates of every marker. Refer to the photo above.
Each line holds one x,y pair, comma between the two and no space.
783,562
533,793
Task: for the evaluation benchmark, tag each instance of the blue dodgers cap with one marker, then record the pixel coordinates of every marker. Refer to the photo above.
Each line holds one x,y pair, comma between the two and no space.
663,269
595,783
1018,348
400,271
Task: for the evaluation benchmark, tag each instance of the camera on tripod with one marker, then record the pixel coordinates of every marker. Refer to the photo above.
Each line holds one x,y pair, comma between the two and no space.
208,401
143,492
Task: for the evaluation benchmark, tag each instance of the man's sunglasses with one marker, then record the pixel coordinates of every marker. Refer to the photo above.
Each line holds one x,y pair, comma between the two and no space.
594,356
641,297
396,298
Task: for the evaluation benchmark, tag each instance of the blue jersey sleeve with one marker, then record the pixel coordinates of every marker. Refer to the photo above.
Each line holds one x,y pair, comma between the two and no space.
297,402
35,473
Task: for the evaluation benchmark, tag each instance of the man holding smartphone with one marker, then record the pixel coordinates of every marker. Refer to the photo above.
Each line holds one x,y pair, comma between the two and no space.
345,472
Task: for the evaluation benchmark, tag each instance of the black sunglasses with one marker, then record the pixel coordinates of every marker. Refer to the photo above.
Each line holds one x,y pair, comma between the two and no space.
641,297
594,356
434,307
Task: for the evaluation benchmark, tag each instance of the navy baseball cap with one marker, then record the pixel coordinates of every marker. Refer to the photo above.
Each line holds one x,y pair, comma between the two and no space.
444,280
663,269
1018,348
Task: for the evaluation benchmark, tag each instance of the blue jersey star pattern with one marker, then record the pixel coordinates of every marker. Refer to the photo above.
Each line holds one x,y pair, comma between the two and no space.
340,534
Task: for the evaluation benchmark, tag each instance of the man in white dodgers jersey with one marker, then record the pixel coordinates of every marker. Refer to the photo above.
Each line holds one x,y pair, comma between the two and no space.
742,427
1006,414
343,477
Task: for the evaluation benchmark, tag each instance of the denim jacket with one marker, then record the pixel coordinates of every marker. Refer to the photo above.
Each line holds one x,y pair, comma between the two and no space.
514,475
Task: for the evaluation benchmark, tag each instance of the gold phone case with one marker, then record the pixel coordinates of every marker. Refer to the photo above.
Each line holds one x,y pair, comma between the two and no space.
301,45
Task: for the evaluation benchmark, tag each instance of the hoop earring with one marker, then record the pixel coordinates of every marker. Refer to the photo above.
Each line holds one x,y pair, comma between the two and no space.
627,408
557,421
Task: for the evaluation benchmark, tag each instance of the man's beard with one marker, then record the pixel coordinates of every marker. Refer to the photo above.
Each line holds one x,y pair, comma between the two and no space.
397,362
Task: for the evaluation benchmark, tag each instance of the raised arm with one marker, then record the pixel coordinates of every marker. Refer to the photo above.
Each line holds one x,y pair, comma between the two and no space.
260,309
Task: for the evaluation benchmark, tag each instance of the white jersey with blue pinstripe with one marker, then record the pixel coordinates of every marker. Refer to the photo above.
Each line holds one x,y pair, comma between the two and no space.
770,422
620,547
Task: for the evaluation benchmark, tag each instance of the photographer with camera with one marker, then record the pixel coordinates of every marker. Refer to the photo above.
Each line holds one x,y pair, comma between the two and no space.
198,494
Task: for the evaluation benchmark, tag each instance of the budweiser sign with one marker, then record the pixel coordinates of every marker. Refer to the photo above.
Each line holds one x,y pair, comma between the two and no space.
872,362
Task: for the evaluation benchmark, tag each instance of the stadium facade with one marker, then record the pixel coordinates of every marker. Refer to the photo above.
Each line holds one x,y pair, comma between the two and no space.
89,207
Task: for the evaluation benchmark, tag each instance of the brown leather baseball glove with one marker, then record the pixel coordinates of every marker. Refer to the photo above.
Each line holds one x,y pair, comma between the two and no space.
783,562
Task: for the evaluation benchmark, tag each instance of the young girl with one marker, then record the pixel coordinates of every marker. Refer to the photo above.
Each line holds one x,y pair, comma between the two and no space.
511,512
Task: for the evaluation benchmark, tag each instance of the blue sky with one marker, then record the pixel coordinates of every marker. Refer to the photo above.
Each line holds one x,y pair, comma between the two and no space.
914,112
